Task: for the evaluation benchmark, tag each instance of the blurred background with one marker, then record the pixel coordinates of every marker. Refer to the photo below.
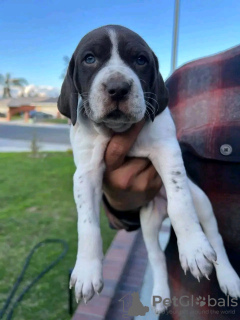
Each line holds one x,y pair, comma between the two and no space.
37,39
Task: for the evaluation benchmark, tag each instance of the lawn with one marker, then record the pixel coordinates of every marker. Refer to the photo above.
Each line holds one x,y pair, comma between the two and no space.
36,203
54,120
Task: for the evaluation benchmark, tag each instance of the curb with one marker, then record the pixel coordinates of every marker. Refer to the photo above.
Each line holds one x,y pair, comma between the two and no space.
114,265
131,282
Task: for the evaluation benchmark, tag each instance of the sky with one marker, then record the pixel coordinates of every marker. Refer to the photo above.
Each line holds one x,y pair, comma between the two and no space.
35,35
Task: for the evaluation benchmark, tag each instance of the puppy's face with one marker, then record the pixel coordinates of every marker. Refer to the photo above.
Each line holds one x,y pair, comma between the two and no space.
117,77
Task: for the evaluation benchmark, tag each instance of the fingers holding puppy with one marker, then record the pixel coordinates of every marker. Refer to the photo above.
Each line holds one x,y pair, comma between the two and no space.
129,183
119,146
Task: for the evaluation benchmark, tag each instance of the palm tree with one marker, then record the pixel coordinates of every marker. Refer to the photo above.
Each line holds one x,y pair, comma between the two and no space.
66,60
7,82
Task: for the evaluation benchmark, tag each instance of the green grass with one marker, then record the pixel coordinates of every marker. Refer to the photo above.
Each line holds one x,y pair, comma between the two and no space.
54,120
17,117
36,203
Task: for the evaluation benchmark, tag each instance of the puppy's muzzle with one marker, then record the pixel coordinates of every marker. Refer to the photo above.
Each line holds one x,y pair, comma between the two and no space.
115,115
118,90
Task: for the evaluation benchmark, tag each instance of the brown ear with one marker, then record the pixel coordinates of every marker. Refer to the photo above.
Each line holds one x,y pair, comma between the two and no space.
160,91
68,99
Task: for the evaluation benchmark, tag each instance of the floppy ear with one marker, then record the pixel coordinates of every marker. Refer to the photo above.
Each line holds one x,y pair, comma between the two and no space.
68,99
159,89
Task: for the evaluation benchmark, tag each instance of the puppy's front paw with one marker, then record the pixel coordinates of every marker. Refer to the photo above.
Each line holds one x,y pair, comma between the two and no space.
87,279
228,280
196,254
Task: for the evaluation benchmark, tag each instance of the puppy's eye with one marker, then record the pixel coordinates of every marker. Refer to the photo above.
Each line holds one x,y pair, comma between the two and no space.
89,59
141,60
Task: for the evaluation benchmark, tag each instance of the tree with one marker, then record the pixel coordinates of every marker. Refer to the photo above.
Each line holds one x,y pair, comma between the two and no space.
66,60
8,83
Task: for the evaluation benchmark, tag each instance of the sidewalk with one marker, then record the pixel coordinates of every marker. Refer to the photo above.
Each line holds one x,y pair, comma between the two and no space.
10,145
34,124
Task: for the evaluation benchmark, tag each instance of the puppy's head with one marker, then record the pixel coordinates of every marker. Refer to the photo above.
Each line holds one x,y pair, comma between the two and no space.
115,74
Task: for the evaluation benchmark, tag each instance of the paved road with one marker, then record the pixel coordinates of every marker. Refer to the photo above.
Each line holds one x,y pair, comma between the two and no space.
58,135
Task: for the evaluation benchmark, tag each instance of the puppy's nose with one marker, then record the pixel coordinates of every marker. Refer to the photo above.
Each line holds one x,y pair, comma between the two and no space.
118,90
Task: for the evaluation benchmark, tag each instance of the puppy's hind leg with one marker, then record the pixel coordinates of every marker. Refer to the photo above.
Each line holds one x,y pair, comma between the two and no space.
151,217
228,279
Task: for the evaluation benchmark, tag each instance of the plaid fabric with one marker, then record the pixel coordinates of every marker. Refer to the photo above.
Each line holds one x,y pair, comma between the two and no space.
204,98
205,103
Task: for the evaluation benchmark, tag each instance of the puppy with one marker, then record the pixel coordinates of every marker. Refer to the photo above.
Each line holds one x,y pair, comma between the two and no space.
112,82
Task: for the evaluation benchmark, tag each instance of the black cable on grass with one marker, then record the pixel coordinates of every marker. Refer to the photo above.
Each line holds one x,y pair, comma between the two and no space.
38,277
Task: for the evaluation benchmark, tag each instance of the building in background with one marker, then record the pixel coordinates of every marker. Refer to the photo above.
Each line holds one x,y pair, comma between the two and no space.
45,107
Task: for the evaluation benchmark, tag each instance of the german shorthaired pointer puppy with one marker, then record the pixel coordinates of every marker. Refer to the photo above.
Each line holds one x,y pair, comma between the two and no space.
112,82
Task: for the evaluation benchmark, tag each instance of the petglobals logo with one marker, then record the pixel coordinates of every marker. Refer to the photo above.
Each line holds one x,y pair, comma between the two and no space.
186,301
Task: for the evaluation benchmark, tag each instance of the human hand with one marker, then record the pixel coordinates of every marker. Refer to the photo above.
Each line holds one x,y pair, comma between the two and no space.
129,183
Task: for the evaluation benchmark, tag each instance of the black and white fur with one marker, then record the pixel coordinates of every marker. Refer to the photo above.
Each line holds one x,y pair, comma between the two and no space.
113,82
